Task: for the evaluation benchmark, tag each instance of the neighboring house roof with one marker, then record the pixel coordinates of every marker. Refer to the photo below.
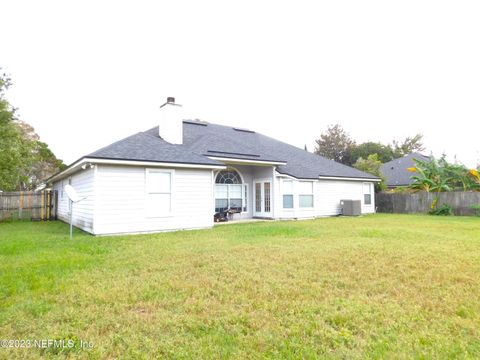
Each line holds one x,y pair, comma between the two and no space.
396,173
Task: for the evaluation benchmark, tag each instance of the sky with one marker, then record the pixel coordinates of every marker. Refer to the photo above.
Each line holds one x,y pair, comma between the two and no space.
88,73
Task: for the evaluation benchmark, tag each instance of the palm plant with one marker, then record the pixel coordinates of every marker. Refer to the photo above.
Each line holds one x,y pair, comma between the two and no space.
439,175
432,176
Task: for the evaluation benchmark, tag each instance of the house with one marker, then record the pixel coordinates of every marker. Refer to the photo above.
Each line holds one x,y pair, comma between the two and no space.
178,174
396,173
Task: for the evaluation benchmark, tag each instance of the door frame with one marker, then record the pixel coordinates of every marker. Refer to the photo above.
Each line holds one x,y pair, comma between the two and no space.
262,212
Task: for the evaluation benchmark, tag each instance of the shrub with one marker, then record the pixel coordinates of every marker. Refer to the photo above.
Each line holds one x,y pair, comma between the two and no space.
445,210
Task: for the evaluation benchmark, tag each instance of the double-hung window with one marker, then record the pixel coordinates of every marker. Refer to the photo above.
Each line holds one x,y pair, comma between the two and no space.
287,191
367,193
159,192
305,194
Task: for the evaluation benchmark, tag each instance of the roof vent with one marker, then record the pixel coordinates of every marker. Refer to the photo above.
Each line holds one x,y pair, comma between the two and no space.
171,100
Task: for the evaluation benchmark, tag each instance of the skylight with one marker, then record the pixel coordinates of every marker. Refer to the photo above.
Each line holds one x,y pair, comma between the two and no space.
243,130
231,153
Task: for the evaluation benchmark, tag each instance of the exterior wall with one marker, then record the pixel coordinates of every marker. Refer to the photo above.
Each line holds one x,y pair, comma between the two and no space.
327,195
115,199
121,199
249,174
83,183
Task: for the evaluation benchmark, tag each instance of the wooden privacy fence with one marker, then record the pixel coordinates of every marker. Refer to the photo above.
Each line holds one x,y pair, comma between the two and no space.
412,203
28,205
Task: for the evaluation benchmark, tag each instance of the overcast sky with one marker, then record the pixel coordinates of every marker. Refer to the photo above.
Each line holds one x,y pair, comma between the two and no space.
87,73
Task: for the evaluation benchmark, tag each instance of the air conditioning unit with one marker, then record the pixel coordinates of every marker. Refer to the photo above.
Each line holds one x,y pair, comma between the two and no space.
351,207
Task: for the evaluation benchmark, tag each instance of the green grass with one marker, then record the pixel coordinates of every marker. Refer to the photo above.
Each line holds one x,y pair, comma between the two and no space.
382,286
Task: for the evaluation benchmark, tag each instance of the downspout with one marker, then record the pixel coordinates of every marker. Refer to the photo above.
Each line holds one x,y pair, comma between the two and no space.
272,197
213,197
95,198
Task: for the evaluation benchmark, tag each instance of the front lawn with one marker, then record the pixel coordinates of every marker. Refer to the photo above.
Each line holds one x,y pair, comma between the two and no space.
378,286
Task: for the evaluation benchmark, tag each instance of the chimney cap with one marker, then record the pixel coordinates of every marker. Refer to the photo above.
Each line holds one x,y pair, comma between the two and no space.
170,101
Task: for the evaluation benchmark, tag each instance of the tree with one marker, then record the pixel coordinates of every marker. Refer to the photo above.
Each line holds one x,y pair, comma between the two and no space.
335,144
24,160
371,165
364,150
42,162
11,151
408,146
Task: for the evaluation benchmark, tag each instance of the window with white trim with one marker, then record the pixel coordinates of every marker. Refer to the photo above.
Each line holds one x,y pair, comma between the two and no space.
305,194
287,192
367,193
159,192
230,192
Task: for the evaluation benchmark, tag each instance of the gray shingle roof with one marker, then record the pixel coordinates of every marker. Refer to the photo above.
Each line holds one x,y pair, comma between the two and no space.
254,146
396,173
201,140
147,147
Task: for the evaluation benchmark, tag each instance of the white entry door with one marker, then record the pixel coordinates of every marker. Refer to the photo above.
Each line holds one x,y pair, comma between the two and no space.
263,199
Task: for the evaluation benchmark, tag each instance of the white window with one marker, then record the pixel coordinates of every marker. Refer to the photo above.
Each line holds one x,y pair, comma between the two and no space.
287,190
159,192
367,193
230,193
305,194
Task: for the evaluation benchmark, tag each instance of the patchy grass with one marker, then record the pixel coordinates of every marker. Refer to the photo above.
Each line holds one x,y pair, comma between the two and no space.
382,286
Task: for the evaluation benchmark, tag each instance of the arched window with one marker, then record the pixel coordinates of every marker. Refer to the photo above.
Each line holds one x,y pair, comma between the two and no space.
230,192
228,177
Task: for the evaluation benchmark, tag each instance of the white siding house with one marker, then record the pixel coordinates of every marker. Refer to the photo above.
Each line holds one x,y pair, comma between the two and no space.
122,199
179,174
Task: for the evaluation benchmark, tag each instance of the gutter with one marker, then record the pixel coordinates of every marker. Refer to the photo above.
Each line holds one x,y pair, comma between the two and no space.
320,177
85,162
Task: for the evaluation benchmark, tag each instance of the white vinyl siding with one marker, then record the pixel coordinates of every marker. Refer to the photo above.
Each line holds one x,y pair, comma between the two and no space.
329,193
83,183
121,200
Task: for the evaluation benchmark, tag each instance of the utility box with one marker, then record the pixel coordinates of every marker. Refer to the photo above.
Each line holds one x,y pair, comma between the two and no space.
351,207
